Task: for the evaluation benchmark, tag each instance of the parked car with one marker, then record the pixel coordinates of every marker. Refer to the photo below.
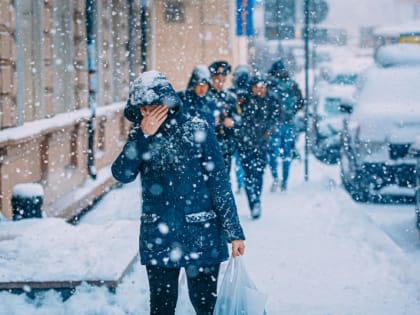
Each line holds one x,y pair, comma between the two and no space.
376,138
327,121
415,153
333,97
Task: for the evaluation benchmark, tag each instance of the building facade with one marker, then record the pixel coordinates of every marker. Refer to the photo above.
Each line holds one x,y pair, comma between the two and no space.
65,68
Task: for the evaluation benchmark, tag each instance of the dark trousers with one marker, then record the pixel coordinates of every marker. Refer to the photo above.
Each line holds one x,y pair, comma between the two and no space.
253,163
163,284
227,158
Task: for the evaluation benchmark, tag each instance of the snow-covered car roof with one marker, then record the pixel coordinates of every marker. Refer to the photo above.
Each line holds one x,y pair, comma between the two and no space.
344,92
388,103
390,91
397,29
398,54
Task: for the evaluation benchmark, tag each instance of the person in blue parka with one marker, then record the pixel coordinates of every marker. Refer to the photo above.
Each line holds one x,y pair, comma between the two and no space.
188,210
287,92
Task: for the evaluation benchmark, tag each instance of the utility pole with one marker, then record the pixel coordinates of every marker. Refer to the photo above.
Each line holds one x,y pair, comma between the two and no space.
306,38
92,84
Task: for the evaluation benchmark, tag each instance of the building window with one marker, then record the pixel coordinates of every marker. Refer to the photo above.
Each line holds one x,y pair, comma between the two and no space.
63,55
30,61
174,12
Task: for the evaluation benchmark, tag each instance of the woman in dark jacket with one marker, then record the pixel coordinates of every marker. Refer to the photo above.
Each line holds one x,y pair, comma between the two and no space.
197,100
188,210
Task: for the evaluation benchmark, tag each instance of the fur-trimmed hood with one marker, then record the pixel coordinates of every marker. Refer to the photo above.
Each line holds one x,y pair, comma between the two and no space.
151,88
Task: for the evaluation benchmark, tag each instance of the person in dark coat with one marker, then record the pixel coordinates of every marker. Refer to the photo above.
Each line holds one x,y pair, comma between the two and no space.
259,121
226,110
241,87
241,84
289,95
188,210
196,97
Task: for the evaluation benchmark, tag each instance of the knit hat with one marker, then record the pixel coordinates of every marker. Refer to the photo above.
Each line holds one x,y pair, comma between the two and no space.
220,67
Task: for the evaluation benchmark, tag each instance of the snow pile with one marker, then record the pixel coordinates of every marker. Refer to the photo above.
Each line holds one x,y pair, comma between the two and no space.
28,190
52,250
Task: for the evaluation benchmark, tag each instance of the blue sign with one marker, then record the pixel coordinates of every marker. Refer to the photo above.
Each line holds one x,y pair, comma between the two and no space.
244,17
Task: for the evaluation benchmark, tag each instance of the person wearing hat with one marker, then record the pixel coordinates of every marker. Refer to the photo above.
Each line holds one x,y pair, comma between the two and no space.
197,100
188,213
259,121
289,95
226,114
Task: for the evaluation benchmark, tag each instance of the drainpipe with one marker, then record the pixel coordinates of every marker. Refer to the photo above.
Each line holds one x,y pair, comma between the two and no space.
143,31
92,84
131,45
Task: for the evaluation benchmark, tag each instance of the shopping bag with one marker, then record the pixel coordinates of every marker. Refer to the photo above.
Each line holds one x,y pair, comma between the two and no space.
238,294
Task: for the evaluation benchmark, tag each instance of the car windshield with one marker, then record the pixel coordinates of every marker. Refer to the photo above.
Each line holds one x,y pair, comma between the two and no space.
344,79
332,106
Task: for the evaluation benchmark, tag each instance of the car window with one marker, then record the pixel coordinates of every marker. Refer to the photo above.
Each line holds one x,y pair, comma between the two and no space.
332,106
344,79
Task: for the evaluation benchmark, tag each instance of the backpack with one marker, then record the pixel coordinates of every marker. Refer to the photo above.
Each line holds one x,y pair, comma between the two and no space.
290,97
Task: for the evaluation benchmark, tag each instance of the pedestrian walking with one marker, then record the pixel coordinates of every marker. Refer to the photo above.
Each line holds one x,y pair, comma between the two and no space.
241,87
188,210
259,121
287,93
226,110
197,100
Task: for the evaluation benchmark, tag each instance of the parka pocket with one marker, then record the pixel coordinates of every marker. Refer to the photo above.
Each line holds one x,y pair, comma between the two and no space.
203,230
151,236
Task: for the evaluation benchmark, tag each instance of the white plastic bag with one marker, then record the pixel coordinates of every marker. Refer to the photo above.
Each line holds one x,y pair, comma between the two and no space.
238,295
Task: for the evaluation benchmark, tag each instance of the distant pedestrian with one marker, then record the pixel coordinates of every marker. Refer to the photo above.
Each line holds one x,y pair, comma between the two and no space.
259,121
226,110
197,99
288,94
241,87
188,210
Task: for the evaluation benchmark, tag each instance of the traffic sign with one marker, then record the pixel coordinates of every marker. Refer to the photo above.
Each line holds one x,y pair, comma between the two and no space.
318,11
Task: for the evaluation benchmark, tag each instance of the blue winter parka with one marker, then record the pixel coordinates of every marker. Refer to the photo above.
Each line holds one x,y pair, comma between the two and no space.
188,209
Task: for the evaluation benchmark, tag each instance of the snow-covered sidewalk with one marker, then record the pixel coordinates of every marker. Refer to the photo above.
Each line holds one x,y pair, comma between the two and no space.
314,251
50,250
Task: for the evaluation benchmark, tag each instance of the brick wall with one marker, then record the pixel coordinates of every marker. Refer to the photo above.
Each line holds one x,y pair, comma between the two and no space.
7,64
53,150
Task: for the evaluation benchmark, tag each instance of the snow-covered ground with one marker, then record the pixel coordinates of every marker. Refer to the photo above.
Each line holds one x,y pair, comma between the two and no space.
313,251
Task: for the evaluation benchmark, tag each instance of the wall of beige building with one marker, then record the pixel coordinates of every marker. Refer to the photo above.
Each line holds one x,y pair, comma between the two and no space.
44,100
205,34
44,112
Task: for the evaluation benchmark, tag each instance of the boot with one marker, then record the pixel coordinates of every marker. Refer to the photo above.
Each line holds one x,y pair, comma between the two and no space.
256,211
283,186
275,186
